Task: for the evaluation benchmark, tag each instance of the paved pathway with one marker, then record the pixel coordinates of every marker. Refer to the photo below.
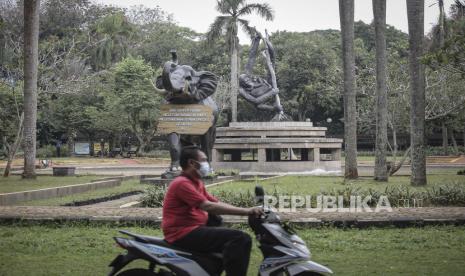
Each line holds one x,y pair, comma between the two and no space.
401,216
364,170
118,202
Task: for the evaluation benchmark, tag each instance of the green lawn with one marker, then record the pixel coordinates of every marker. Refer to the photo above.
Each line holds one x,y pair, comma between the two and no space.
317,184
126,186
366,158
15,183
87,250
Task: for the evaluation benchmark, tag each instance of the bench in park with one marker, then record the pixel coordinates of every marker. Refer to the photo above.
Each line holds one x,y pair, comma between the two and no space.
64,171
123,153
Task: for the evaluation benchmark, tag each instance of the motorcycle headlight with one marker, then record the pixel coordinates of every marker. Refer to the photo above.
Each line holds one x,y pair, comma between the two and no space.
302,248
297,239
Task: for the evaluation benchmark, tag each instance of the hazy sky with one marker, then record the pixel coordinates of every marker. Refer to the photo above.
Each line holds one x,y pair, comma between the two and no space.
290,15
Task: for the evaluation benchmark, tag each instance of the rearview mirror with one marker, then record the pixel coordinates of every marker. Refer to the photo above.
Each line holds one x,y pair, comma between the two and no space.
259,194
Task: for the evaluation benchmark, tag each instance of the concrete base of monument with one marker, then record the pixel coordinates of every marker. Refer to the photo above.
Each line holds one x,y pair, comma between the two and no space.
276,147
170,175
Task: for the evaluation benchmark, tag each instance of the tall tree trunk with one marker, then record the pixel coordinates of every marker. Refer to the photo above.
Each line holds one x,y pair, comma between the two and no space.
346,14
70,142
442,22
234,78
396,166
142,143
395,146
463,137
14,148
415,14
445,139
454,142
5,146
31,41
379,14
102,149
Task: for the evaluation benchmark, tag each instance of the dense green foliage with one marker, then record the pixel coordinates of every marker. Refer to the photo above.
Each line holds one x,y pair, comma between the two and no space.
443,190
11,99
88,51
450,56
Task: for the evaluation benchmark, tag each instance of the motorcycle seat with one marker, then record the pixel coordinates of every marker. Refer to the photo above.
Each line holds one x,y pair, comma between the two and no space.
161,242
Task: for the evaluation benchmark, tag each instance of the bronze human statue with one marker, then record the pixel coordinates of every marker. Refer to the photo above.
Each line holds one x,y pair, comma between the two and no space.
263,93
181,84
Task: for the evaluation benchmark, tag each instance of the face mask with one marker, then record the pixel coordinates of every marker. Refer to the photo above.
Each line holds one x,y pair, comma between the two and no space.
204,168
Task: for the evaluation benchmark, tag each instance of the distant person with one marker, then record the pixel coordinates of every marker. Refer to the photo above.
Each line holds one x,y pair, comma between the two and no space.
58,147
186,209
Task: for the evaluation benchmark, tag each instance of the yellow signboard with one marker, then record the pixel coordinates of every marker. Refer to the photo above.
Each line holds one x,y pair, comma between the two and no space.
97,146
193,119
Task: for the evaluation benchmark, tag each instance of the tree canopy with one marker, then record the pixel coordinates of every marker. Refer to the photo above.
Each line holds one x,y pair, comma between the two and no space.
96,63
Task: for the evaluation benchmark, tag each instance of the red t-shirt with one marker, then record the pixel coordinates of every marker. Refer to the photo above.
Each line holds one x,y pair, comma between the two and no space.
181,207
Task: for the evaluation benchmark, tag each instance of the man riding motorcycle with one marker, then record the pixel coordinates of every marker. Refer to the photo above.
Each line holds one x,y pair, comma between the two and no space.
186,210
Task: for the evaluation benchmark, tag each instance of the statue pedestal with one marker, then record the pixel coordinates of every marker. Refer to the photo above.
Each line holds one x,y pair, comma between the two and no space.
170,175
275,147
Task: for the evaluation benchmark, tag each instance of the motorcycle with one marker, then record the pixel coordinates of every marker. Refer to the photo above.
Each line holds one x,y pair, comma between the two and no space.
284,252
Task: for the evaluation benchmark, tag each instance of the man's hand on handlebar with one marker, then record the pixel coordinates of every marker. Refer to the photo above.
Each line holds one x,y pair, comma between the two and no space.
256,211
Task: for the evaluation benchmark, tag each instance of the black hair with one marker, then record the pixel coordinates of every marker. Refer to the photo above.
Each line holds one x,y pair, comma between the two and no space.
190,152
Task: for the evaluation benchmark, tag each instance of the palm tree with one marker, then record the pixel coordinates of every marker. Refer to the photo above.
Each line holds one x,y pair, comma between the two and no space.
346,14
441,37
441,23
458,9
415,15
379,15
227,23
114,33
31,55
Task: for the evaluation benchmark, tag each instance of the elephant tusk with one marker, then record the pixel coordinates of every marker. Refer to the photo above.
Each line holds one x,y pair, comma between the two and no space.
185,90
158,90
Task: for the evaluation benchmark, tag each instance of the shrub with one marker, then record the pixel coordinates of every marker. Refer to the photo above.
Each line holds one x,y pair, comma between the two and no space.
49,151
241,199
429,151
155,154
438,151
64,151
3,154
153,196
227,172
445,195
372,153
461,172
210,176
46,151
452,194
